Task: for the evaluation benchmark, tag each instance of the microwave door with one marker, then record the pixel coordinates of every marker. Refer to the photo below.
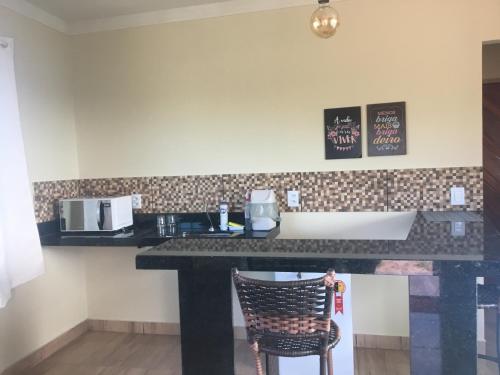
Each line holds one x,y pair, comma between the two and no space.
72,215
91,215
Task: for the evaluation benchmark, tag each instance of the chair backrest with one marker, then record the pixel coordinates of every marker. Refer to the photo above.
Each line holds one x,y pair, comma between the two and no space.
286,307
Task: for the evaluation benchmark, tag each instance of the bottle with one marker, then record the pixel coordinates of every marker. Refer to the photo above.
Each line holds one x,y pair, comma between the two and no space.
248,216
224,216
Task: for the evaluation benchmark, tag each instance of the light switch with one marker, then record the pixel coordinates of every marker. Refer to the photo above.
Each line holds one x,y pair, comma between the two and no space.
457,196
293,198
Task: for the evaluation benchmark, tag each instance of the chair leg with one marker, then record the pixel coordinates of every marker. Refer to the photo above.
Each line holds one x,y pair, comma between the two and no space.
258,361
330,362
322,364
268,368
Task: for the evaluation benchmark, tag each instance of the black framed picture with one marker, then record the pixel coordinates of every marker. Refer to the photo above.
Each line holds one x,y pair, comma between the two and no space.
386,129
343,133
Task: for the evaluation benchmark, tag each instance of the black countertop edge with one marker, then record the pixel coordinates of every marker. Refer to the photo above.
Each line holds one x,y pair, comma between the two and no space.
382,266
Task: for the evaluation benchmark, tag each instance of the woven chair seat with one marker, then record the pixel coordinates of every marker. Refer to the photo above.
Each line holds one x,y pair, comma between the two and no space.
298,346
289,318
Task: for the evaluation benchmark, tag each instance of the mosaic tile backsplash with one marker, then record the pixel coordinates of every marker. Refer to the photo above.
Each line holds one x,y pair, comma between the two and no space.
429,189
375,190
344,191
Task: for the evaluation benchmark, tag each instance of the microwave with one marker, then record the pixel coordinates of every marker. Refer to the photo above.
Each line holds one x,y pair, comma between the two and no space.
95,214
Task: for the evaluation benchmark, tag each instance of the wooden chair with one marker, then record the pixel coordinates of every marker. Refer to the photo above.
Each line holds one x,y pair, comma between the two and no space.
289,318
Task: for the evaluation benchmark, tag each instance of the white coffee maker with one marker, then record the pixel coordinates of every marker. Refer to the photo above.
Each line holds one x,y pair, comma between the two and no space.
264,211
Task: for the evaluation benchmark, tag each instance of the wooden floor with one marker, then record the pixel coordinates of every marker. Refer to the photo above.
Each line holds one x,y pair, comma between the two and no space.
104,353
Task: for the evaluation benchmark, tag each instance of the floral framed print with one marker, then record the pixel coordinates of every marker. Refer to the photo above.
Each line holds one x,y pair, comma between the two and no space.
343,133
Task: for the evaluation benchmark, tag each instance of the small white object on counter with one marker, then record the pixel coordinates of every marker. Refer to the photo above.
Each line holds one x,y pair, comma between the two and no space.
263,223
224,215
264,210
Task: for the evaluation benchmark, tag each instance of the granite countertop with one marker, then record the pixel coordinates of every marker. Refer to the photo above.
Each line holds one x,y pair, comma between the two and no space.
143,233
431,238
382,242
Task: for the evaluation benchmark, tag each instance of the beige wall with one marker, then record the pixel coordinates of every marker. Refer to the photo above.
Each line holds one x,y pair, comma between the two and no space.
117,291
491,62
43,75
246,93
44,308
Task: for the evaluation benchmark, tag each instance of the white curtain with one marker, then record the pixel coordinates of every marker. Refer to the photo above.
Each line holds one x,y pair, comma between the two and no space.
21,257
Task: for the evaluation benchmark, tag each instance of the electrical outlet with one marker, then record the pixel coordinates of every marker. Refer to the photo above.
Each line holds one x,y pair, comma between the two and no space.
457,196
458,229
293,198
136,201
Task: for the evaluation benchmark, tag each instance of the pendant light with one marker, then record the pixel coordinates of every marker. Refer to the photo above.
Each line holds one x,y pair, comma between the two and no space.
324,20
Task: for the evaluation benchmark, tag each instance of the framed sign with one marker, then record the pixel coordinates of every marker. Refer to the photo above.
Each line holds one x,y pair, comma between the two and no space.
343,133
386,129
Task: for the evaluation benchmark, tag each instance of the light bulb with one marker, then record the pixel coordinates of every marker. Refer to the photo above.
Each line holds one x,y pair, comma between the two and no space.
324,21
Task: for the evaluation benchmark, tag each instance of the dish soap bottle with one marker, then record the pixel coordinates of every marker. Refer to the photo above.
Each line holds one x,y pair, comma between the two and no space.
224,216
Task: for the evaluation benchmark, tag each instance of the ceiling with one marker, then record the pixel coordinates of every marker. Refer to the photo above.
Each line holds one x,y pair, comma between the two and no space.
87,16
81,10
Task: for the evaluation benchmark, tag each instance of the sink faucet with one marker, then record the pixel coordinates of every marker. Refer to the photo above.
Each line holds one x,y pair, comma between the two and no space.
211,229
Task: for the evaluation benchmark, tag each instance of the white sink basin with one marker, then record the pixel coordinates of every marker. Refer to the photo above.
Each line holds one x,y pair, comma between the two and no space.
346,225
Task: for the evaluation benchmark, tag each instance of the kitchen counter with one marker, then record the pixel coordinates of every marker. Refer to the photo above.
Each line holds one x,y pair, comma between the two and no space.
429,237
442,253
142,234
135,236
